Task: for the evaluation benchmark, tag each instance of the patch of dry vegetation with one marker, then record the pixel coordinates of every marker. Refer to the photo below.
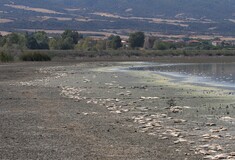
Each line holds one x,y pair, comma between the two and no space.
40,10
176,22
5,20
4,33
232,20
105,34
72,9
45,18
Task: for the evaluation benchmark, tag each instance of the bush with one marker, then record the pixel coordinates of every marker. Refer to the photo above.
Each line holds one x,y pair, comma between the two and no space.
35,57
6,57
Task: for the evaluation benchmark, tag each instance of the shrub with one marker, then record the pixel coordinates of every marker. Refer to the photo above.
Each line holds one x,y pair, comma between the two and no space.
35,57
6,57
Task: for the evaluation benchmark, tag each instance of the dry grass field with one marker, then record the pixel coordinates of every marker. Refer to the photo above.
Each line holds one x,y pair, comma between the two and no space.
41,10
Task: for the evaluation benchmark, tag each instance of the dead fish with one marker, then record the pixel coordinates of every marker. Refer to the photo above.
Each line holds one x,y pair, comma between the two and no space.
179,120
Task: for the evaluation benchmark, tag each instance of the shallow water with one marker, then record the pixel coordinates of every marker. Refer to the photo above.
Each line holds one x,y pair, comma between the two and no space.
209,74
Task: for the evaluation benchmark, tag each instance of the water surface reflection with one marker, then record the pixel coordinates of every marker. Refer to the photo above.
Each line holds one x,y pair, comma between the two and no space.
214,74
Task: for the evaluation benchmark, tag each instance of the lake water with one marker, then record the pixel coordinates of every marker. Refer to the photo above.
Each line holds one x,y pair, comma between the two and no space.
209,74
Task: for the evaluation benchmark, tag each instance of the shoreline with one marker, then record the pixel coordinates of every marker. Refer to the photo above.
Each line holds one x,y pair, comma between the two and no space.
164,59
113,115
138,66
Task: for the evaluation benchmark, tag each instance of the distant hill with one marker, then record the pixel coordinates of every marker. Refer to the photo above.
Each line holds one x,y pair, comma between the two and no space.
165,16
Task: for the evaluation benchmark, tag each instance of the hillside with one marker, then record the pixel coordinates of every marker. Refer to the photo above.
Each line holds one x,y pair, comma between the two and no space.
165,16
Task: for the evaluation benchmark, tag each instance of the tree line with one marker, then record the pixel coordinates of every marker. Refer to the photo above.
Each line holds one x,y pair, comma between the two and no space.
68,40
72,40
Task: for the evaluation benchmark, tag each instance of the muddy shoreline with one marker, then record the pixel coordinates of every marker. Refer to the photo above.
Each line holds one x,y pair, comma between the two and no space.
71,110
161,59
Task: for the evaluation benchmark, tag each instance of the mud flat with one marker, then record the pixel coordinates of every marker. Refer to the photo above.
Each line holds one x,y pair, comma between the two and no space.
97,111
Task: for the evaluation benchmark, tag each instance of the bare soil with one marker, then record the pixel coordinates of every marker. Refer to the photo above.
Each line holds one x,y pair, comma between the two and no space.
71,110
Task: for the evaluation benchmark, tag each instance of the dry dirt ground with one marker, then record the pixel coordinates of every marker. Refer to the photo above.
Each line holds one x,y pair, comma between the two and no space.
76,111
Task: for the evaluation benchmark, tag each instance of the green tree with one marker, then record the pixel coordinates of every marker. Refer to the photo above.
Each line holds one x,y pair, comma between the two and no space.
136,39
42,39
15,40
101,45
160,45
54,43
72,34
37,40
164,45
206,45
67,43
4,57
114,42
86,44
31,43
2,41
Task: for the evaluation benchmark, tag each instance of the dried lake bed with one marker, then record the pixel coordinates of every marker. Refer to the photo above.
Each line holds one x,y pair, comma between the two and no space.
104,110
